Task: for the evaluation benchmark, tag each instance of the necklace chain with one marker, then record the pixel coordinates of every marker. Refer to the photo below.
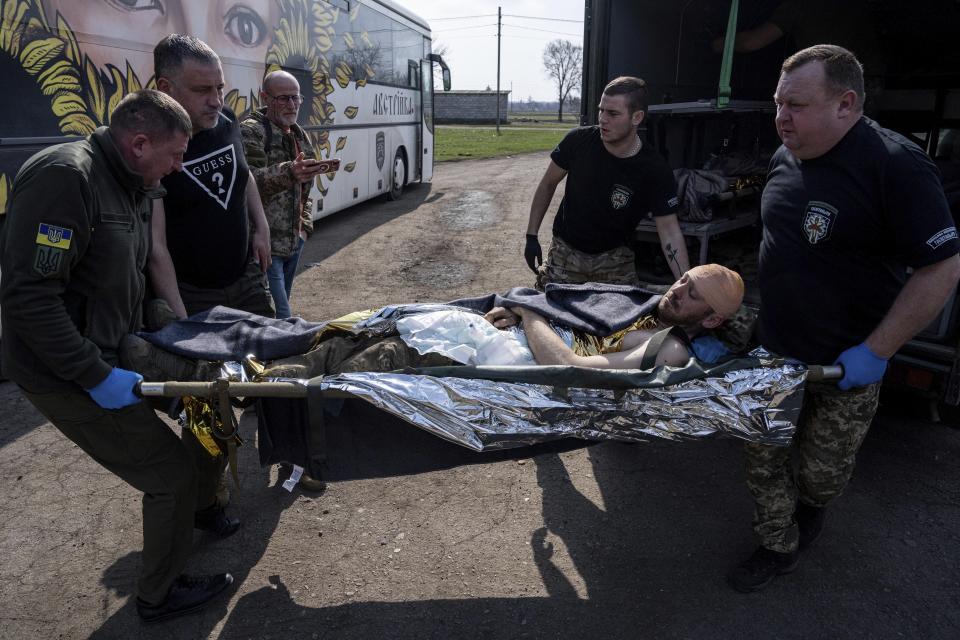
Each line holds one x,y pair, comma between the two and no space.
635,149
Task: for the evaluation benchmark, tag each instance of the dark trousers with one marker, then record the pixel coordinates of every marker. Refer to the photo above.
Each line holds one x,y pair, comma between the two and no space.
250,292
134,444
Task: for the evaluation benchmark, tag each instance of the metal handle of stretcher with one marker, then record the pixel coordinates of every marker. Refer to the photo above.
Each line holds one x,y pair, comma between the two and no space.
818,373
815,373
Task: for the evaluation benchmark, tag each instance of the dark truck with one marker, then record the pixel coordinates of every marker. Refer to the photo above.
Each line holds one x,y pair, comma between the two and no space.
712,108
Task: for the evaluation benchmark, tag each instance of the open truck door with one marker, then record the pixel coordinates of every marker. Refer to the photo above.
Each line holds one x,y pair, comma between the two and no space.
712,106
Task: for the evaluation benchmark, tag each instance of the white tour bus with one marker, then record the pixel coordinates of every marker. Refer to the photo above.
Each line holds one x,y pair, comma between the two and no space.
365,69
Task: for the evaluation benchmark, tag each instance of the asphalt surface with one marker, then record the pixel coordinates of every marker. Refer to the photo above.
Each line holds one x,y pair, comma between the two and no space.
418,538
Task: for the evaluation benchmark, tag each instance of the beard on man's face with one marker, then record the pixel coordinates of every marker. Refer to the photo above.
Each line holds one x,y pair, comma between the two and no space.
670,312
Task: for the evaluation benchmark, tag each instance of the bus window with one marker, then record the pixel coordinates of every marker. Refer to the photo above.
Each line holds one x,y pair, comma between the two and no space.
413,74
406,48
372,35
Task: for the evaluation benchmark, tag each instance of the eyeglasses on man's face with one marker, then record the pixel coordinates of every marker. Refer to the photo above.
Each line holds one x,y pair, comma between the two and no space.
295,98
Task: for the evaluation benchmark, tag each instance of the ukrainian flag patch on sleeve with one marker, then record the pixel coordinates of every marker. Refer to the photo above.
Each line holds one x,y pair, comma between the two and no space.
53,236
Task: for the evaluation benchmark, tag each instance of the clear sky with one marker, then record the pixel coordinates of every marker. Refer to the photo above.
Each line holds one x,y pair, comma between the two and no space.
472,41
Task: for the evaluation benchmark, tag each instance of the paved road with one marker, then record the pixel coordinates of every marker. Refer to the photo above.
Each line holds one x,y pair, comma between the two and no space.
418,538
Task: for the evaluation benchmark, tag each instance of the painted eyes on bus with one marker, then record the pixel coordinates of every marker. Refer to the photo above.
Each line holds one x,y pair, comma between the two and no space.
287,99
244,26
137,5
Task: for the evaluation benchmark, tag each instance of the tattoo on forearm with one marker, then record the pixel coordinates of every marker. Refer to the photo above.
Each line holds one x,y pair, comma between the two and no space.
671,254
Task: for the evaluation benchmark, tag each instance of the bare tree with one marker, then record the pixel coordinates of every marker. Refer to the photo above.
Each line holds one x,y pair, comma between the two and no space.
563,61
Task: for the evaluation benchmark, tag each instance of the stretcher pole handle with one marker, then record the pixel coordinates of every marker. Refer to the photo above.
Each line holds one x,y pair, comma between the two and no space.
288,389
235,389
818,373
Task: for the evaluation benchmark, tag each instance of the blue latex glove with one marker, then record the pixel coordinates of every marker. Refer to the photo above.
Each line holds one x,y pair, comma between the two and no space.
116,390
708,349
861,367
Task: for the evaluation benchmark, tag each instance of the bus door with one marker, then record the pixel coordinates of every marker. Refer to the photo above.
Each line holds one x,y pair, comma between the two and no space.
426,120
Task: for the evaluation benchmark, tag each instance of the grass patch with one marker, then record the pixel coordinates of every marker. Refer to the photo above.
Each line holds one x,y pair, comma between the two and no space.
472,143
526,118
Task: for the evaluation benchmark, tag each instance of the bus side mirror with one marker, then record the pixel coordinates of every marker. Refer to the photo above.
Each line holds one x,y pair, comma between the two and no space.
436,57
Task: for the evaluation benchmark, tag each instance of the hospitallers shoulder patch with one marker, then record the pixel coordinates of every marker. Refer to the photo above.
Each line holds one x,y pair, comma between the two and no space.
941,237
215,173
620,196
818,221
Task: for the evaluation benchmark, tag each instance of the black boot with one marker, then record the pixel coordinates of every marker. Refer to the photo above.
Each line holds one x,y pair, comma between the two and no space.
809,522
215,520
187,594
757,571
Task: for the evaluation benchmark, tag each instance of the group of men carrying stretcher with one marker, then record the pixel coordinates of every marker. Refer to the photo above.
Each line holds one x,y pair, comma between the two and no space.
74,248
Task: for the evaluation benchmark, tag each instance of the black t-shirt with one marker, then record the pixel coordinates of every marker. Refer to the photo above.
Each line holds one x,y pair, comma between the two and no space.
206,210
607,196
838,234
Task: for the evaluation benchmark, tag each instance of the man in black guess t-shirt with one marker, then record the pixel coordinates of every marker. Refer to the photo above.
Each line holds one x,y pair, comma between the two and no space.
613,182
211,241
848,206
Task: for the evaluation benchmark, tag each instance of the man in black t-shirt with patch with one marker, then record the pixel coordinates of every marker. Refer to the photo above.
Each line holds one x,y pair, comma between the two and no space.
848,206
613,182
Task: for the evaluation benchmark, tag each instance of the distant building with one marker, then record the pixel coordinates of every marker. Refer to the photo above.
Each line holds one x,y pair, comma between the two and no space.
470,107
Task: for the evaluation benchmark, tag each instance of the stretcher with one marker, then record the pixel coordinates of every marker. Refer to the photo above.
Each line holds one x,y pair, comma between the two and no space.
756,398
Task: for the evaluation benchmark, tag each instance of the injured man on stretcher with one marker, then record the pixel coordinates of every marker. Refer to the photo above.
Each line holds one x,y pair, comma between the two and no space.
592,325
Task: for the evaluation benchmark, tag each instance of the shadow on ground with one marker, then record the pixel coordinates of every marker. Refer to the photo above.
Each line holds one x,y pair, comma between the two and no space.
20,417
653,551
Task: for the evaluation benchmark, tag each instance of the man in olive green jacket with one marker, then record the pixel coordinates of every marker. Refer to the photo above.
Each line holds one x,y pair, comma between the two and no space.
73,247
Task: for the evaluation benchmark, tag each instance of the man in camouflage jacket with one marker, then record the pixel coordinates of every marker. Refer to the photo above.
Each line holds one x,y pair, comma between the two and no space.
284,164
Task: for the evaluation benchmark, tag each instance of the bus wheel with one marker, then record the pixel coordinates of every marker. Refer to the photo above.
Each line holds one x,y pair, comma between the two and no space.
397,177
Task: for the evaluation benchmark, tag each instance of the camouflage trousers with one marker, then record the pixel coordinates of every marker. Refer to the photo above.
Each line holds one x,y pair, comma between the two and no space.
567,265
345,354
831,428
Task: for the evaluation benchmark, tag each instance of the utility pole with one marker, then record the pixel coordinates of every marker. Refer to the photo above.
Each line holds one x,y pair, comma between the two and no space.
498,70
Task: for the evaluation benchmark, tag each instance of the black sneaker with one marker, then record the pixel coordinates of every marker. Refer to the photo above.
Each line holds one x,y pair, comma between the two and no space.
187,594
215,520
809,522
757,571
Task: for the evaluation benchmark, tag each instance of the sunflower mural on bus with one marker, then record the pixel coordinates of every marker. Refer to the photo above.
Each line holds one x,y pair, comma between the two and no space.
315,42
65,86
